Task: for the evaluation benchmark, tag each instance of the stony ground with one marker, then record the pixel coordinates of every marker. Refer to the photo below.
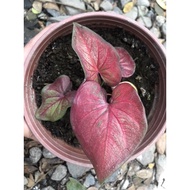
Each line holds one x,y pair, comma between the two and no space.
43,170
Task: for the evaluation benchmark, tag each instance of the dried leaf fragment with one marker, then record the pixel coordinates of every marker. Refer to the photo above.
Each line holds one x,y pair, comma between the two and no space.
128,7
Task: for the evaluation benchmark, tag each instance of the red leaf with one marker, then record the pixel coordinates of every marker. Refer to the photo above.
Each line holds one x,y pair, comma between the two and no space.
126,62
108,132
56,99
96,55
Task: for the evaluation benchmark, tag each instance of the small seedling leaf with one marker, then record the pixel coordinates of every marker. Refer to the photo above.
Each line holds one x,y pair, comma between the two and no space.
56,99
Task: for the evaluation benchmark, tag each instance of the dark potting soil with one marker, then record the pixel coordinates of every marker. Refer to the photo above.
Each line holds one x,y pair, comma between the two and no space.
59,58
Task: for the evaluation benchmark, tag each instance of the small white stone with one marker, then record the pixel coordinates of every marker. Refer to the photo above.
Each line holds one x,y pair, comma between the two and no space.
47,154
160,20
156,32
148,156
144,173
143,3
132,14
125,184
35,154
77,171
48,188
161,144
146,21
25,181
37,6
59,173
90,180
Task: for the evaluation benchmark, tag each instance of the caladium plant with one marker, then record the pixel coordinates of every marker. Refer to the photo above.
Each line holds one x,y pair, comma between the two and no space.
108,127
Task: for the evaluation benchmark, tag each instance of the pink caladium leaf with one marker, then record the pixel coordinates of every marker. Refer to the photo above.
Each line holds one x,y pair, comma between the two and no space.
108,132
57,97
126,62
96,55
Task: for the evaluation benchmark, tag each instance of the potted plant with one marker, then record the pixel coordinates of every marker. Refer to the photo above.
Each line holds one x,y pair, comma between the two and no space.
153,123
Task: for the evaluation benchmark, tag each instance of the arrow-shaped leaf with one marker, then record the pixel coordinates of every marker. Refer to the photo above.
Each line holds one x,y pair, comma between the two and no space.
96,55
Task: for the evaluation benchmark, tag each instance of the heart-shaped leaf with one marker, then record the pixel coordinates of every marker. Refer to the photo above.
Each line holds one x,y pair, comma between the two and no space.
96,56
56,99
126,62
108,132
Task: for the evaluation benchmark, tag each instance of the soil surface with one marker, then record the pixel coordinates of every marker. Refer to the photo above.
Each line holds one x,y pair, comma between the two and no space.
59,58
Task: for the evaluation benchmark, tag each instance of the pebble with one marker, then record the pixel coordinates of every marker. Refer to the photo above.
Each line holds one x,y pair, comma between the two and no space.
133,168
117,10
148,156
144,173
51,6
160,167
153,187
27,4
48,188
59,173
47,154
106,5
37,5
143,3
156,32
25,181
160,20
143,187
63,181
90,180
74,7
124,2
149,180
132,187
56,19
164,44
143,10
30,15
72,11
53,13
76,171
159,10
35,154
133,14
125,184
92,188
163,30
161,144
151,15
146,21
137,181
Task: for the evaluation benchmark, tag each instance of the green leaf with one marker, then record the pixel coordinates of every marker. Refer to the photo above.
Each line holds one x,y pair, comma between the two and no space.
57,97
73,184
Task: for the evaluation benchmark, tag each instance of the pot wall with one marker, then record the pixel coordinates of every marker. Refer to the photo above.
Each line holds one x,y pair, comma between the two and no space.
38,44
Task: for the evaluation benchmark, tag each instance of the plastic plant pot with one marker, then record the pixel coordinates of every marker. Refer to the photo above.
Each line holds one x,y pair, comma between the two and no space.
34,49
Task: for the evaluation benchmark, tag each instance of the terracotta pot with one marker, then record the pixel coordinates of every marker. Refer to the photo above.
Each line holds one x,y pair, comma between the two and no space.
33,51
